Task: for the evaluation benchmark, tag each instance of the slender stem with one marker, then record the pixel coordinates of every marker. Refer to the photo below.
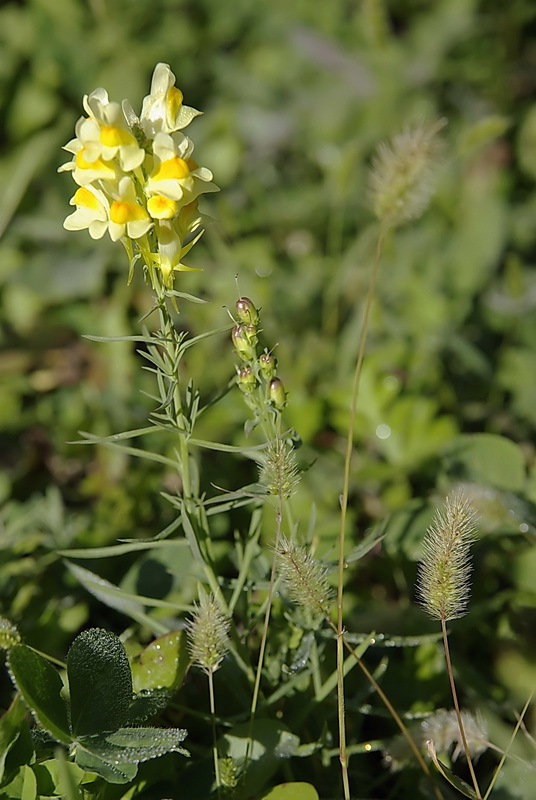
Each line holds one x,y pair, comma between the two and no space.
213,715
344,508
343,758
510,743
394,713
267,613
457,708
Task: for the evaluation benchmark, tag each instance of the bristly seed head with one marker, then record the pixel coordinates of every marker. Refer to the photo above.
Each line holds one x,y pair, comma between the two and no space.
401,181
305,577
208,630
443,583
278,471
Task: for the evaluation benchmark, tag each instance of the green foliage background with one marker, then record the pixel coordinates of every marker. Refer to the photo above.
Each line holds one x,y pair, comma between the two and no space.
296,97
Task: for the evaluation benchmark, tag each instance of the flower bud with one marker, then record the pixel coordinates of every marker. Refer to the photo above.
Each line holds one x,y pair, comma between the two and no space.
244,339
246,311
277,394
267,365
246,379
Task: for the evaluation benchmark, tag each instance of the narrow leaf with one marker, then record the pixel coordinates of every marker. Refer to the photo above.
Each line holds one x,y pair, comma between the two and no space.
185,296
128,546
447,773
372,538
146,339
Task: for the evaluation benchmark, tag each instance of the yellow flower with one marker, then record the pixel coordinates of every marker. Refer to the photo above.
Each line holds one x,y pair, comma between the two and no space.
160,207
87,171
162,109
127,216
92,210
105,133
175,174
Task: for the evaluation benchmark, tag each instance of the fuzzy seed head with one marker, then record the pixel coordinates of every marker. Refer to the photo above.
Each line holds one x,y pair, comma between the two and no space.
443,584
442,727
279,472
304,576
208,634
401,181
9,634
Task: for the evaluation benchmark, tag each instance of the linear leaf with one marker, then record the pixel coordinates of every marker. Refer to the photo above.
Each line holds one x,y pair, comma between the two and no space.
114,597
449,775
129,546
146,339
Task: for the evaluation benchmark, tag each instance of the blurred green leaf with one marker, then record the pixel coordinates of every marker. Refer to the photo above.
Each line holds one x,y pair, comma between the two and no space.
489,459
162,664
292,791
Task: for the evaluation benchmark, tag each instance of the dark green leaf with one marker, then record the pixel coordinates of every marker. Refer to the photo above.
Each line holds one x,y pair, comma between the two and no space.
112,773
100,683
133,745
40,685
11,725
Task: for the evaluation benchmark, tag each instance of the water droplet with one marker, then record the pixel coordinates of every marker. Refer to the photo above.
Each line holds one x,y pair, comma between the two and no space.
383,431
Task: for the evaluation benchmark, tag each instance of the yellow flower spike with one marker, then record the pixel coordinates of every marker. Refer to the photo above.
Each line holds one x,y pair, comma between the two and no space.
147,179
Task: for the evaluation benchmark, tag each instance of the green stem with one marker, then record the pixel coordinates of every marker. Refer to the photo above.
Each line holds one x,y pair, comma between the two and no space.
214,740
457,708
344,509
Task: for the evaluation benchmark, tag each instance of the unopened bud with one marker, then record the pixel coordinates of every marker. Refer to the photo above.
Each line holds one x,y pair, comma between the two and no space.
244,340
246,311
246,379
277,393
267,365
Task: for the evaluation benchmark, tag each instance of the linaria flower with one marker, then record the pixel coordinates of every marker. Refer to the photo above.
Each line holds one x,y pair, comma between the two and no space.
92,212
162,109
127,216
175,175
